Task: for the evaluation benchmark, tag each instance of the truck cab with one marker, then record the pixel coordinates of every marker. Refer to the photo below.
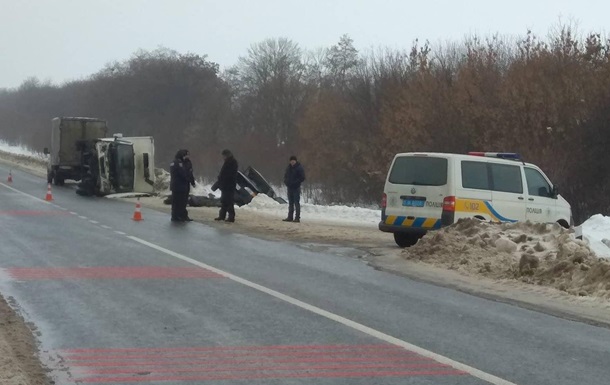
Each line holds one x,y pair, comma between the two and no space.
117,165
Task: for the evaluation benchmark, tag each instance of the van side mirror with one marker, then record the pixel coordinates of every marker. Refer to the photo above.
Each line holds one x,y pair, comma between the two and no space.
45,151
555,191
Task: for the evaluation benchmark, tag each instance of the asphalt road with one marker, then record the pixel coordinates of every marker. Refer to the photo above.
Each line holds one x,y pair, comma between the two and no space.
116,301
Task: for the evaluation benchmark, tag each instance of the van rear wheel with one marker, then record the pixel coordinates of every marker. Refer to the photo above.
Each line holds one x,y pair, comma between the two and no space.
405,240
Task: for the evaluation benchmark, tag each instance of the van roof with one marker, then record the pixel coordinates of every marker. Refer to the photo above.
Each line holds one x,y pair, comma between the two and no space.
466,157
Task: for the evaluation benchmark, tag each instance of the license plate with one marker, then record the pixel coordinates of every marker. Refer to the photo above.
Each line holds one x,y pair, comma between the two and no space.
413,203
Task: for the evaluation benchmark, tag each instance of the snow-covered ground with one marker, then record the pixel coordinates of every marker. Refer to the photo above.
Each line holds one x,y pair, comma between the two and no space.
20,150
338,214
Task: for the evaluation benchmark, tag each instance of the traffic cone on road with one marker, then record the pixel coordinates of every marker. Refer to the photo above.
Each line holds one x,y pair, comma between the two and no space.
137,215
10,176
49,196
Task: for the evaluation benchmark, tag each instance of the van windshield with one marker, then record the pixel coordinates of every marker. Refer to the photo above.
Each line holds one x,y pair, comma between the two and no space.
419,171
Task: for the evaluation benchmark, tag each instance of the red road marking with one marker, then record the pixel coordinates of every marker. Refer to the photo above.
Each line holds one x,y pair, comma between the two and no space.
275,375
248,363
123,272
17,213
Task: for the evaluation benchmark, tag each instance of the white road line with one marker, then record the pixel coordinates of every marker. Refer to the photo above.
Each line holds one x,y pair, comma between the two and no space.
106,227
82,217
490,378
73,213
24,194
94,222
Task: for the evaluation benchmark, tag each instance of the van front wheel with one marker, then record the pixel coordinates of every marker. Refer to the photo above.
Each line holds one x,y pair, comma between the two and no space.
405,240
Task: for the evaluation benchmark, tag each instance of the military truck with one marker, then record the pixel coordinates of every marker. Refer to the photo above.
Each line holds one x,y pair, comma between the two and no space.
65,158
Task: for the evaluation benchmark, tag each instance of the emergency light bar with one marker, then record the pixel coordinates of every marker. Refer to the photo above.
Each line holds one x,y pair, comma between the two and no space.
501,155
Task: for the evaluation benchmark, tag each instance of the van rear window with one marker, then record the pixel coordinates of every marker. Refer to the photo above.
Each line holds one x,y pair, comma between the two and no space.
419,171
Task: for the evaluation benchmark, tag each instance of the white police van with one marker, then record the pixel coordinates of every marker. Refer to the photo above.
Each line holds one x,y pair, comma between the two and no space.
425,191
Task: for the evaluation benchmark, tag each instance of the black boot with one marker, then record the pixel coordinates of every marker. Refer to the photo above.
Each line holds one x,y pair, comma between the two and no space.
222,214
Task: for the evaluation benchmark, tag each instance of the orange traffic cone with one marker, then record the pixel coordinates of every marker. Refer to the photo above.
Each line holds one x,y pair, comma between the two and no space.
137,215
10,176
49,196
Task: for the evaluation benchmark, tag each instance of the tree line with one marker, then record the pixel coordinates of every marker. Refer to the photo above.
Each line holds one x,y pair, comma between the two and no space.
346,113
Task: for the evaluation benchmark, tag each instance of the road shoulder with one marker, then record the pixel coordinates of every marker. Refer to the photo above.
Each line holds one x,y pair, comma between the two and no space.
19,364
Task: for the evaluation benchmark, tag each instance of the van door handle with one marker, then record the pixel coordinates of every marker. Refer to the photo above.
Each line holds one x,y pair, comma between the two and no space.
520,198
531,199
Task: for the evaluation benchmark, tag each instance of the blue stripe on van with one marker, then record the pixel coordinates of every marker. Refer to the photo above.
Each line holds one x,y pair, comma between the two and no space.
500,217
419,222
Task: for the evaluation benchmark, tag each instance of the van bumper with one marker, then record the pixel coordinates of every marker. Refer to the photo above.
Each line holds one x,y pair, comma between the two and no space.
401,229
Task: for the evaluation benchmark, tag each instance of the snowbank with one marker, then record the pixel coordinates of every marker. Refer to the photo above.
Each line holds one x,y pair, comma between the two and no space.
596,230
21,151
337,214
540,254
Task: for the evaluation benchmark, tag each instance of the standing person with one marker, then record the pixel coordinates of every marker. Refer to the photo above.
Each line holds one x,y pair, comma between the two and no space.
293,178
227,180
181,178
191,178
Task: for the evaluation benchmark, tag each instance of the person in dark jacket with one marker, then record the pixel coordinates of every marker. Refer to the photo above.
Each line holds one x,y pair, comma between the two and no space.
181,173
293,178
227,180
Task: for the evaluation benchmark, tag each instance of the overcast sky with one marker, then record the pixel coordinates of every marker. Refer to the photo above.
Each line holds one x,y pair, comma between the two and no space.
60,40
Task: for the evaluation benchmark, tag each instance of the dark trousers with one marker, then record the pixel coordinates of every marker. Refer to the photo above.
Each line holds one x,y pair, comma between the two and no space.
227,202
294,203
179,202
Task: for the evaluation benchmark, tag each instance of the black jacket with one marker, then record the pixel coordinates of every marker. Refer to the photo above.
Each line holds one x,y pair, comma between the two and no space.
227,179
181,173
189,171
294,176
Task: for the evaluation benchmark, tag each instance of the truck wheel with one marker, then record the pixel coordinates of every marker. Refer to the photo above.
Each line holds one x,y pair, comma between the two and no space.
49,176
59,180
405,240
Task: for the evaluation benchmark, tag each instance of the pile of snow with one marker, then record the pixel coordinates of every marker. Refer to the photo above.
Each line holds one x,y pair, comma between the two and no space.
541,254
337,214
596,230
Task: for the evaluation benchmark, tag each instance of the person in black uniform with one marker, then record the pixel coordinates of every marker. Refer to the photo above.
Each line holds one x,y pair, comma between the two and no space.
293,178
181,173
227,180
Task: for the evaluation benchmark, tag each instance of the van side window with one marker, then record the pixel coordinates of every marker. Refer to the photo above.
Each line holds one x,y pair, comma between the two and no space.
506,178
474,175
537,184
